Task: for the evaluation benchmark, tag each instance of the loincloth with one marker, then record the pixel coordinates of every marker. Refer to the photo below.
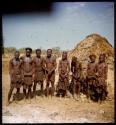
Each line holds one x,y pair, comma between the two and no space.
28,80
63,83
50,77
16,81
39,76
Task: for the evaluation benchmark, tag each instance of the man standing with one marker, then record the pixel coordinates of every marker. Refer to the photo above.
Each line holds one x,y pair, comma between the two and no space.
39,70
102,68
15,74
91,77
64,69
76,69
50,66
28,72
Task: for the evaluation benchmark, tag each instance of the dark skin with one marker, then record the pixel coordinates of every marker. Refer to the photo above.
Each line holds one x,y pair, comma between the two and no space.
64,69
49,66
91,73
38,55
101,58
16,56
92,69
76,69
102,75
64,58
92,58
28,54
49,54
49,70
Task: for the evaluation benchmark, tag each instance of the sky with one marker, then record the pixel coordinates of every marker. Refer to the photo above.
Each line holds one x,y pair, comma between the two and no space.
65,27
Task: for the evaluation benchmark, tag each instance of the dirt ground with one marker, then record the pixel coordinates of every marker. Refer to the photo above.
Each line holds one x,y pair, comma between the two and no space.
56,110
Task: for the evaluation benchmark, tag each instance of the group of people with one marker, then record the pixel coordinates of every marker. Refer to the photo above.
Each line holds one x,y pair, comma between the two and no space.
28,71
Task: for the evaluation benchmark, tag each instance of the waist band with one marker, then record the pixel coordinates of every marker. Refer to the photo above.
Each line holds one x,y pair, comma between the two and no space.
27,75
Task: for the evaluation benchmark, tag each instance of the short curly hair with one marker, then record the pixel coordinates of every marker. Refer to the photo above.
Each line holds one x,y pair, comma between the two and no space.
92,55
28,48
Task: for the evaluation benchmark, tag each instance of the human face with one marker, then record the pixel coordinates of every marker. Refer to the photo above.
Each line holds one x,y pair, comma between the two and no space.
49,53
38,53
92,58
64,55
17,55
28,53
101,58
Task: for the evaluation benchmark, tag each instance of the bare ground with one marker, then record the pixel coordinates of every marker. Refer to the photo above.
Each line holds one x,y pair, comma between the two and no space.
56,110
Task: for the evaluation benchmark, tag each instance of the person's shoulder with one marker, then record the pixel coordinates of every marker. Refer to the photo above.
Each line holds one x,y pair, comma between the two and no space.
22,57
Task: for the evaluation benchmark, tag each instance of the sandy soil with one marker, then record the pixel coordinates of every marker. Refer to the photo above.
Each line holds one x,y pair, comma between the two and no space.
56,110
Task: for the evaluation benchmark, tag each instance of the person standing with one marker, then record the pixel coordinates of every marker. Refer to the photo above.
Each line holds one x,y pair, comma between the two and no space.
15,75
102,69
92,77
76,69
39,71
50,66
28,72
64,69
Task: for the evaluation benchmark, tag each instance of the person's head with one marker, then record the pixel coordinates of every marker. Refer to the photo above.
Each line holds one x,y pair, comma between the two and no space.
74,60
49,52
92,58
28,51
102,57
64,55
17,54
38,52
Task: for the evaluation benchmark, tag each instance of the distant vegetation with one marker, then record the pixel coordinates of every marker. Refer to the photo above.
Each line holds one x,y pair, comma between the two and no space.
9,51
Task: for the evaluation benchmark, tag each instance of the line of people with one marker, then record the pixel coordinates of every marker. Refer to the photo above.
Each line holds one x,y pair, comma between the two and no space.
28,71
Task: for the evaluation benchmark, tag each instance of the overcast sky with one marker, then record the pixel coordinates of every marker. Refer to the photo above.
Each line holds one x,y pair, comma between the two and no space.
67,25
